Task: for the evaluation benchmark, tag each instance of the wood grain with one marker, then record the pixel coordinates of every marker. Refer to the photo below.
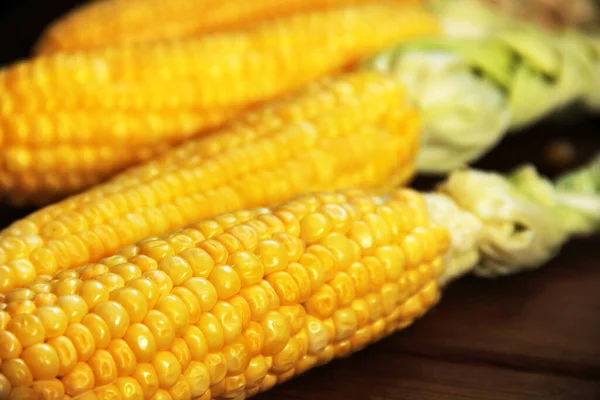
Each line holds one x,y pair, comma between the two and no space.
531,336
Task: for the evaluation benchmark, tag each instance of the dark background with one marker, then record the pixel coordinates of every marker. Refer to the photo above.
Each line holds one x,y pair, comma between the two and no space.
531,336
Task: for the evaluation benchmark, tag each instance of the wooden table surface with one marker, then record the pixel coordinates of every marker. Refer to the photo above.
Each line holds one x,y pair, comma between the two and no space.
530,336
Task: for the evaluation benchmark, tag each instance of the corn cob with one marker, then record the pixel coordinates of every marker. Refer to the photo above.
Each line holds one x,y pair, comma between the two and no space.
472,91
116,22
119,106
350,131
229,307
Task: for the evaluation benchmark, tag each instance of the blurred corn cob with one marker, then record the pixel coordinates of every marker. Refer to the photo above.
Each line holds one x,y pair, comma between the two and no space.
472,91
70,120
351,131
229,307
107,23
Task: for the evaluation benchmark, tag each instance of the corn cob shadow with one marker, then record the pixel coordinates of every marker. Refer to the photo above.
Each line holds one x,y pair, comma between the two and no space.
231,306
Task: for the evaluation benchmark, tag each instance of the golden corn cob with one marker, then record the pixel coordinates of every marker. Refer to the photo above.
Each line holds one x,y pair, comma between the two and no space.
227,307
114,22
70,120
348,131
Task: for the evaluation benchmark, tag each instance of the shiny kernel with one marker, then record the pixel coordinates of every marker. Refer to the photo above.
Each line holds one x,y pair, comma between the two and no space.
339,217
133,301
286,358
23,271
426,272
295,315
322,303
230,242
229,319
226,281
161,327
113,261
82,339
115,316
412,248
145,263
157,249
268,382
148,289
256,371
93,292
430,294
285,286
290,221
341,248
175,310
213,331
393,261
199,261
327,260
104,367
129,388
182,352
345,323
4,318
302,279
376,272
42,361
22,393
198,377
160,279
437,267
98,328
108,392
361,234
381,231
36,288
19,295
248,267
273,256
168,369
217,367
161,394
255,338
141,341
123,356
111,281
146,377
20,307
79,380
258,301
44,261
67,354
344,290
27,328
216,250
10,346
127,271
277,333
51,389
204,291
413,281
196,342
315,270
242,308
234,386
375,305
66,286
181,390
191,303
44,299
53,319
74,306
361,310
5,386
177,268
237,356
294,246
91,271
306,363
17,372
314,227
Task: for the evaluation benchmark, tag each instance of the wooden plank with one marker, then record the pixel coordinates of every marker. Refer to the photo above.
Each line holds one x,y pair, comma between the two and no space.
380,374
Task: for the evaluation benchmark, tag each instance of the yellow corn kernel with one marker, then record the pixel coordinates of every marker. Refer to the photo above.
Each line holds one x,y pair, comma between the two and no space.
213,177
195,341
